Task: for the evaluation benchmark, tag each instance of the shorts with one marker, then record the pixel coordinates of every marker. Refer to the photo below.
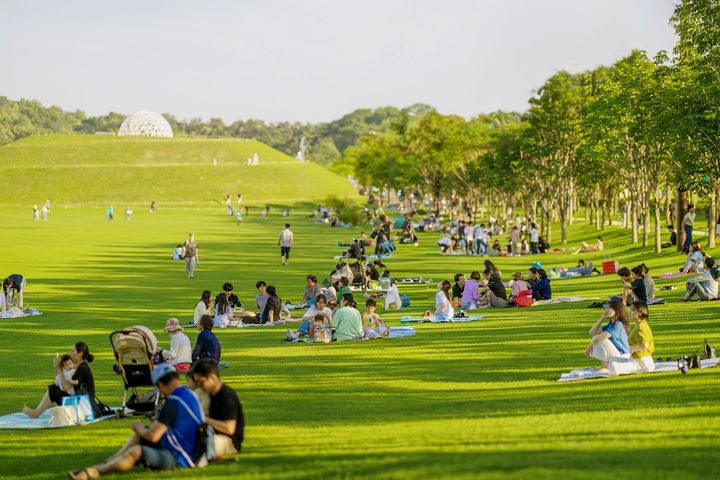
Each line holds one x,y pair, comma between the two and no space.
155,457
285,252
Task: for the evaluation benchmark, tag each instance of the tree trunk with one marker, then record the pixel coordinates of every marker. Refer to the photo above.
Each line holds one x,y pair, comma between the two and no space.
646,219
682,203
634,221
658,240
548,225
668,214
712,212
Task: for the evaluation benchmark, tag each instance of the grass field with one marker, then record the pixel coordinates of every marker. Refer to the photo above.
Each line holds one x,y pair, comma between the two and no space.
476,401
96,170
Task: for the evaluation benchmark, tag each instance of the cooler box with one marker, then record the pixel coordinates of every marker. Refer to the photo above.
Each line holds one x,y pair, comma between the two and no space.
611,266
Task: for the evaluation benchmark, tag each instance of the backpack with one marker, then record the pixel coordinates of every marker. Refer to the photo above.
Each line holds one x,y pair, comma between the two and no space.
205,438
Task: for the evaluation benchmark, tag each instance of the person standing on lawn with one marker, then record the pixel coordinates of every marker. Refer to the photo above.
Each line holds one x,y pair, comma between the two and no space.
286,242
191,255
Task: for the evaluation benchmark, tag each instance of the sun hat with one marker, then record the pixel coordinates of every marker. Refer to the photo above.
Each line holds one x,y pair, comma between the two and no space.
173,325
518,275
161,371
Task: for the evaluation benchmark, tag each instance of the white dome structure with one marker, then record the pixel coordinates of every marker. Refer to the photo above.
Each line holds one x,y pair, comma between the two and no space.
145,124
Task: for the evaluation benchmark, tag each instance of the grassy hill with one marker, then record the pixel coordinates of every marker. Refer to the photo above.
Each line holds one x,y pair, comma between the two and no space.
79,169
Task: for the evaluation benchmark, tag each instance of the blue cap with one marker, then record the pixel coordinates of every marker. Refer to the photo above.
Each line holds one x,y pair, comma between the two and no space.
160,371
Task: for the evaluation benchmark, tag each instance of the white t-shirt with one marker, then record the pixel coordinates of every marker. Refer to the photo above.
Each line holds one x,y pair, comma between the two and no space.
68,374
312,311
689,218
286,238
222,320
534,235
180,349
200,310
443,305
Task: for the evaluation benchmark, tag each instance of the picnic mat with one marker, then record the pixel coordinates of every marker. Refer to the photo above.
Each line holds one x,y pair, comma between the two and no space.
395,332
434,319
557,300
20,421
588,373
14,312
669,275
239,324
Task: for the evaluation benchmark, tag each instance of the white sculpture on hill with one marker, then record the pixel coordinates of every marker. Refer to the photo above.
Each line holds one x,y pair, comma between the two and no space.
145,124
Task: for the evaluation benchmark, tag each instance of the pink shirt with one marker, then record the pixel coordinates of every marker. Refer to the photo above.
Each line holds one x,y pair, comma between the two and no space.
518,286
515,235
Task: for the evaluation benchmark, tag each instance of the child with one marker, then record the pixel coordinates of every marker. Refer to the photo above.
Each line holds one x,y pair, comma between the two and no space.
178,253
373,325
642,345
307,328
68,370
344,287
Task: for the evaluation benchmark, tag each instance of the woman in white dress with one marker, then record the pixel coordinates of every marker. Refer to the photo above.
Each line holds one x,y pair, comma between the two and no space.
443,305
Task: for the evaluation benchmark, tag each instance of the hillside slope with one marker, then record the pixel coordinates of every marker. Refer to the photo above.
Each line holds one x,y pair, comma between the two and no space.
84,169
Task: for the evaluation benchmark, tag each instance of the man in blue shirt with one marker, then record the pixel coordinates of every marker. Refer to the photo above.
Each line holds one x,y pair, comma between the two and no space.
166,444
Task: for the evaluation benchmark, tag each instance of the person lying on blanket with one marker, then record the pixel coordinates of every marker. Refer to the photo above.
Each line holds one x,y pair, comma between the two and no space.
704,285
584,247
583,268
642,345
168,443
373,324
444,311
609,341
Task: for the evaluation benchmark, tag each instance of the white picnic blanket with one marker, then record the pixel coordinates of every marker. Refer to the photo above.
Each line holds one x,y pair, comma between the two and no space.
660,367
397,332
15,312
239,324
433,319
20,421
556,300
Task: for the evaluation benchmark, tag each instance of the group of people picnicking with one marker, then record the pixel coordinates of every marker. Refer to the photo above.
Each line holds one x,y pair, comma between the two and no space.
466,237
489,291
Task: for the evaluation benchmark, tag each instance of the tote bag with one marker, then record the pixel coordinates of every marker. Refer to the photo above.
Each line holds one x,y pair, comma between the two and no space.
82,405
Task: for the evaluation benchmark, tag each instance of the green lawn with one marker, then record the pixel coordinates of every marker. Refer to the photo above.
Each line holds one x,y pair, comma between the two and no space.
98,169
477,400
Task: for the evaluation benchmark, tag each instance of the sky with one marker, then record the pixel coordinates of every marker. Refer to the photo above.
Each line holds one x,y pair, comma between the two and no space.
310,60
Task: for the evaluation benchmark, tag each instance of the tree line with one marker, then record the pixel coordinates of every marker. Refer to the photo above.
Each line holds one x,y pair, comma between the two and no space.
633,137
325,142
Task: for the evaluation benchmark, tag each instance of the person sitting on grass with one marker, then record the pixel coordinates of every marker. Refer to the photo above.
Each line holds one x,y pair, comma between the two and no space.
471,297
373,325
518,285
223,312
493,294
308,319
207,344
458,289
541,288
180,353
273,307
584,247
312,290
650,288
609,341
82,381
704,285
203,307
226,414
232,299
262,297
633,285
444,310
344,287
168,443
673,238
642,345
347,321
695,260
308,329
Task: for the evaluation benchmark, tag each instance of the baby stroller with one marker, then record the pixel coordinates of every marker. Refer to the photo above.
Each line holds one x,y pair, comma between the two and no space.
134,348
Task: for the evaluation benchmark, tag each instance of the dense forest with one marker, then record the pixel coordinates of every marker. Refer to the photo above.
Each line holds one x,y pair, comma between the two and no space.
326,142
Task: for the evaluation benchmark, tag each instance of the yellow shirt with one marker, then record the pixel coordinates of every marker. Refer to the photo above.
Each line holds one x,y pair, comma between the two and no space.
640,335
